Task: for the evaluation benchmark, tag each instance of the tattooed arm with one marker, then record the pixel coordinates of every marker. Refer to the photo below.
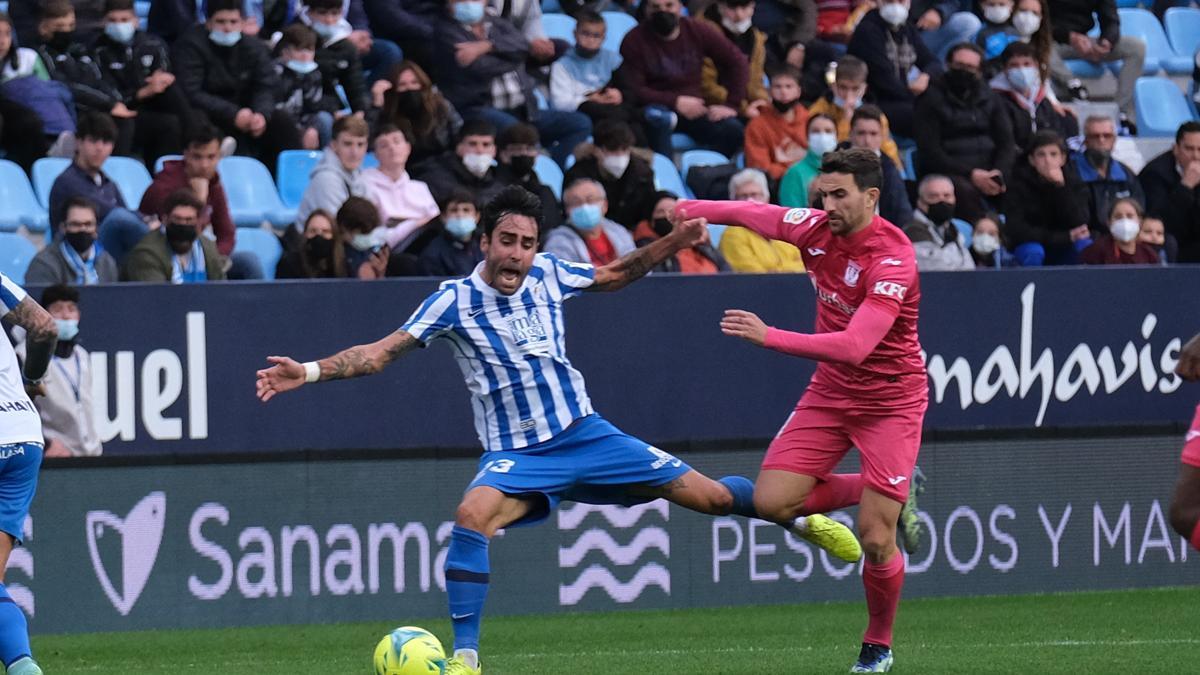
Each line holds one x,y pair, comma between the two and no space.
41,335
633,266
286,374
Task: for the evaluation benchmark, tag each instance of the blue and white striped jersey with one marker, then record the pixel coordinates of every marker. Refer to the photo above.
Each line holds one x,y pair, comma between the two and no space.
19,420
512,350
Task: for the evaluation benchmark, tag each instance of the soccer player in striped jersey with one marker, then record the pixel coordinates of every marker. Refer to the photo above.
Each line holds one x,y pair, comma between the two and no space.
21,445
1185,503
544,443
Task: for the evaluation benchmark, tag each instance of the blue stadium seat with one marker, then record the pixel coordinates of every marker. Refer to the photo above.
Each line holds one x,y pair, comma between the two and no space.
370,161
158,163
559,26
291,174
251,193
1159,54
715,232
45,171
549,174
1161,106
700,158
551,7
4,6
617,24
262,243
131,178
909,157
15,254
683,142
1183,29
19,205
666,177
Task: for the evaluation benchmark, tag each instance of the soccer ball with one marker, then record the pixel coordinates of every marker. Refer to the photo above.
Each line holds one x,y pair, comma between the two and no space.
409,651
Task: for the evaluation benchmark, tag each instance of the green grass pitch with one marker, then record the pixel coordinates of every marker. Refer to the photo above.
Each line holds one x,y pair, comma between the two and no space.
1104,632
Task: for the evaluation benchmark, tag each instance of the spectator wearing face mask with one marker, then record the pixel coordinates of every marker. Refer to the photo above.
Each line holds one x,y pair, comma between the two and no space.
997,31
987,245
848,94
699,259
624,171
734,19
822,138
1121,245
1107,178
338,175
175,253
337,55
411,99
867,131
938,238
518,148
1047,206
470,165
1027,96
455,251
405,204
67,410
778,137
746,250
73,257
1154,234
367,255
899,65
67,61
300,91
586,78
318,253
588,236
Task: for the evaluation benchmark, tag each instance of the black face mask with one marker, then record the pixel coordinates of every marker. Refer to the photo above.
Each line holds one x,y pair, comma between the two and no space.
408,103
180,237
522,165
586,53
961,82
940,212
318,248
783,108
61,39
1096,157
662,226
664,23
80,241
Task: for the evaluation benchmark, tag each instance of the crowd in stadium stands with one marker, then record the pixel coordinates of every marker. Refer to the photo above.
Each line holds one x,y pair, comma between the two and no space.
418,111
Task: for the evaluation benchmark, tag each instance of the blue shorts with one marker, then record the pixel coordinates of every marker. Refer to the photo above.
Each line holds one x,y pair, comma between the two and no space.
19,464
592,461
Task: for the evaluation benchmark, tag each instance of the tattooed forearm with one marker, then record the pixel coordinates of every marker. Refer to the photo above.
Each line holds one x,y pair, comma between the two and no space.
367,359
634,265
42,336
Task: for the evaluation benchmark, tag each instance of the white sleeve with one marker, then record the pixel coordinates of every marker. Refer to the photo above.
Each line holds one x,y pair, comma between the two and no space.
11,294
436,316
572,278
566,93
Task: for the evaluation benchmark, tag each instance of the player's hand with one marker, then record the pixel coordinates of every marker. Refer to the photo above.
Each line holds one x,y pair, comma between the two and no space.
285,374
691,232
746,325
1189,360
34,391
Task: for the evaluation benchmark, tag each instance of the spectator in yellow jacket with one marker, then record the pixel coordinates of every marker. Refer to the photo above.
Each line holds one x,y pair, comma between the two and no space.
746,250
732,18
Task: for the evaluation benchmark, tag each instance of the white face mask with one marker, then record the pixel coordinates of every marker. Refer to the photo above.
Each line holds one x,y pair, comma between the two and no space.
984,243
894,13
477,163
1027,23
736,27
615,165
821,143
1125,230
997,13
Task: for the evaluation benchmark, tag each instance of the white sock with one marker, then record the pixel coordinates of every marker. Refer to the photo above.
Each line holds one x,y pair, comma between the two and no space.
800,524
468,656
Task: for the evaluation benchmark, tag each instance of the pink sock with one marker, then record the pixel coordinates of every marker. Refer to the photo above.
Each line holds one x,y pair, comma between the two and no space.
882,583
837,491
1195,539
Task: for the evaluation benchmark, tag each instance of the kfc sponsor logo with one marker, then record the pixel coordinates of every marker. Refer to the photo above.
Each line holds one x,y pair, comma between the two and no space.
890,288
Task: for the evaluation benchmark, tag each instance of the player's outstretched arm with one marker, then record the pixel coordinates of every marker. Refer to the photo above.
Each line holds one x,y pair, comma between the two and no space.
635,265
851,346
41,335
773,222
1189,360
286,374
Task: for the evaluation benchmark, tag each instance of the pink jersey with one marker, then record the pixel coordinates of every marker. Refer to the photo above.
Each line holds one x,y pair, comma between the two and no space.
874,268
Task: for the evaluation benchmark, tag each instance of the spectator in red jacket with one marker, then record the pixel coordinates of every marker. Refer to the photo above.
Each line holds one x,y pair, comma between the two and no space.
1121,245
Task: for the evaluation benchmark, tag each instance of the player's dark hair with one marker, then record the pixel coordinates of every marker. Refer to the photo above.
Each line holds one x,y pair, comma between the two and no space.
199,134
476,127
118,6
358,215
298,36
513,200
80,202
858,162
867,112
213,6
182,197
1190,127
59,293
97,126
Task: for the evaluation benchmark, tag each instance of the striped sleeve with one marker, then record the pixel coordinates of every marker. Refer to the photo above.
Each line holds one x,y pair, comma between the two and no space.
572,278
11,294
436,316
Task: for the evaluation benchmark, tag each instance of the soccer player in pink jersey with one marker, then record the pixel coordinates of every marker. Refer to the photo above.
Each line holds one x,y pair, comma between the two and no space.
1185,503
870,388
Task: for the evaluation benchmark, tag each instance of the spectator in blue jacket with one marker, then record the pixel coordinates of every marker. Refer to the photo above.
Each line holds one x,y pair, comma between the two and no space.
1107,178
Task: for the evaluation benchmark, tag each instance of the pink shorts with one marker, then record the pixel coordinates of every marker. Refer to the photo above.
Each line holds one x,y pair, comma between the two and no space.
1191,446
819,432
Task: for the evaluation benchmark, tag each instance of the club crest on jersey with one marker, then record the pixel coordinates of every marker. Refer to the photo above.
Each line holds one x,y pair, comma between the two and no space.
852,272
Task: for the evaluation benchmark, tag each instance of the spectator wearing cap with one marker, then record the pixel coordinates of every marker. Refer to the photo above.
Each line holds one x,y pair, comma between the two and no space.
623,170
455,251
699,259
73,257
405,204
517,149
175,253
588,236
470,165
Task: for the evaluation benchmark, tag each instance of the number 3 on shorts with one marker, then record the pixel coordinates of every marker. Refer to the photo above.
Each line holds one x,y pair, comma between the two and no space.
495,466
664,458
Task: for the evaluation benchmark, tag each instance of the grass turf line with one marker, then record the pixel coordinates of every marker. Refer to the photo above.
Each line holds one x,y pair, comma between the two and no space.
1099,632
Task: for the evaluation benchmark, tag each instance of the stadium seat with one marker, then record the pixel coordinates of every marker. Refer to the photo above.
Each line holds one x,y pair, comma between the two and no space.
1183,29
715,232
666,177
682,142
559,26
700,158
549,174
291,174
1159,54
263,244
45,171
131,178
251,193
158,163
18,205
1161,107
551,7
15,253
370,161
617,24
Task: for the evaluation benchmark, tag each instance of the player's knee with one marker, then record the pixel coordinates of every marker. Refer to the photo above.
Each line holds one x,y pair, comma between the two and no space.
472,516
772,507
878,540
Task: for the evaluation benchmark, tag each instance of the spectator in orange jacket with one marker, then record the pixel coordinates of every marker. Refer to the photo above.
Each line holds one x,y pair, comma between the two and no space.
778,137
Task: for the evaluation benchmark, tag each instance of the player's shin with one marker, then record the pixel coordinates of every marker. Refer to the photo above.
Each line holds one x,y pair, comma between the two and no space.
742,490
882,582
14,631
836,491
467,585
